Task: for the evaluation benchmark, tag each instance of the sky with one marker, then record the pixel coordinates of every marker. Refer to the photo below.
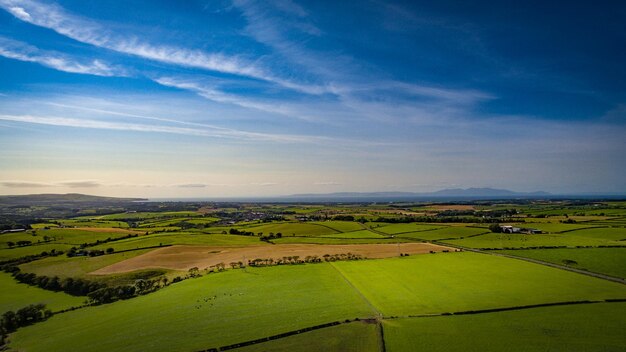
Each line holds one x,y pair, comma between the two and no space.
250,98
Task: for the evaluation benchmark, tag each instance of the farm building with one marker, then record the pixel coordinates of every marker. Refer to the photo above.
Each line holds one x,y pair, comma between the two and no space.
513,229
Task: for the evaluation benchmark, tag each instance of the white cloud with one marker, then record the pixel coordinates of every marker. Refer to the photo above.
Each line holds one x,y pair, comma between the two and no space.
91,32
16,50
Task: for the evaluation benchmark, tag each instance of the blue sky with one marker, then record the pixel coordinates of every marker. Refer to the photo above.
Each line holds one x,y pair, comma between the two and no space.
247,98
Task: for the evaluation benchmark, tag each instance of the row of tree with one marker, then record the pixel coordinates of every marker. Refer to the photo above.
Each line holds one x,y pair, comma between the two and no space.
11,321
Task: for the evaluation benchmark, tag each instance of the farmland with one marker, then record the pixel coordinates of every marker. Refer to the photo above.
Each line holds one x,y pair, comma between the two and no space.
349,277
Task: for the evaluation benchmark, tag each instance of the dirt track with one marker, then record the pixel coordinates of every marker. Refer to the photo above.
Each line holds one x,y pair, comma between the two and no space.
186,257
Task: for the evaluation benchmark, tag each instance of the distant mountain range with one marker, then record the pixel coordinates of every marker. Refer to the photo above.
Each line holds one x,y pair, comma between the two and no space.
444,193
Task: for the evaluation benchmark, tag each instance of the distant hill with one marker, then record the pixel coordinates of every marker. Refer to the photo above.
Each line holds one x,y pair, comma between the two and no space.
41,199
444,193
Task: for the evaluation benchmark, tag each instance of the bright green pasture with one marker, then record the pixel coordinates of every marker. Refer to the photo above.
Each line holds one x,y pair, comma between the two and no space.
15,295
92,223
196,314
76,267
610,261
609,233
497,240
189,238
42,225
340,226
404,228
80,236
446,232
591,327
449,282
356,337
14,253
355,234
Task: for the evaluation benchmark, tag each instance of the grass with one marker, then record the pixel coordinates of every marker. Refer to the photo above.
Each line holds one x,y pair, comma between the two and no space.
592,327
355,234
215,310
449,282
609,233
340,226
496,240
15,295
14,253
403,228
355,337
610,261
446,232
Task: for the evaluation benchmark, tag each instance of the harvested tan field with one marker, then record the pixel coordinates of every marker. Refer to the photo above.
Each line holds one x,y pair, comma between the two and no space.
186,257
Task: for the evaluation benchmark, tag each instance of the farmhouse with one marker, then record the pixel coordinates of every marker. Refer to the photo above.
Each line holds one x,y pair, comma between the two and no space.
513,229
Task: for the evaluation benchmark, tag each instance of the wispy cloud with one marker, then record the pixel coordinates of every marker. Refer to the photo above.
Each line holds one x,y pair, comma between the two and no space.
192,185
91,32
122,126
24,184
68,184
327,183
17,50
214,94
80,184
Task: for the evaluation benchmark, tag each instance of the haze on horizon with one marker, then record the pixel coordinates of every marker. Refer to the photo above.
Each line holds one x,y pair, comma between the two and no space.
261,98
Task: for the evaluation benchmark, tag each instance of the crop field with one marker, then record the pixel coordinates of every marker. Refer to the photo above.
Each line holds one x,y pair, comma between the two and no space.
14,296
186,257
340,226
498,240
338,239
591,327
76,267
204,313
609,261
179,238
451,282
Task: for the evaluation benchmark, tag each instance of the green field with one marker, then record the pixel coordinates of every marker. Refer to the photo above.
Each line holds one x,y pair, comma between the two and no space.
15,295
351,337
610,261
446,232
450,282
339,240
212,311
591,327
14,253
498,240
609,233
340,226
403,228
355,234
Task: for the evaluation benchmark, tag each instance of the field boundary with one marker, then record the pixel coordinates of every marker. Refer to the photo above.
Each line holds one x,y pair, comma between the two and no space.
506,309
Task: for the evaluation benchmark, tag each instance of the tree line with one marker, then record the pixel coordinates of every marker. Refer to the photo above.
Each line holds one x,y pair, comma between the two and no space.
11,321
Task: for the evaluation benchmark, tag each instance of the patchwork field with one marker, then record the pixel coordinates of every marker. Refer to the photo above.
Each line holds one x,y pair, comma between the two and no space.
186,257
